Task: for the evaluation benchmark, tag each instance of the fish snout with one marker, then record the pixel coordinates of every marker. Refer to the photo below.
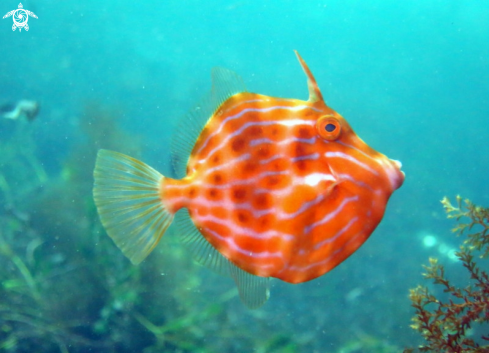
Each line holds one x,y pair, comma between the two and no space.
394,173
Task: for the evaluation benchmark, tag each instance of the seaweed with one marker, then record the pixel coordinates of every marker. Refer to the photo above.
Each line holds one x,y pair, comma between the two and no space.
447,324
65,287
54,283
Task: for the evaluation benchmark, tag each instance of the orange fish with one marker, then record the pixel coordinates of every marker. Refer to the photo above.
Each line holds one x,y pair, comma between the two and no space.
269,187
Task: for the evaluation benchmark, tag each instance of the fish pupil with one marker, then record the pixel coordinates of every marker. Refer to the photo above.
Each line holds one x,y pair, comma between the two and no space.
330,127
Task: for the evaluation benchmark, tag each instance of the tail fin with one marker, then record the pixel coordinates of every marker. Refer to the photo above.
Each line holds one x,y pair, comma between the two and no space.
127,195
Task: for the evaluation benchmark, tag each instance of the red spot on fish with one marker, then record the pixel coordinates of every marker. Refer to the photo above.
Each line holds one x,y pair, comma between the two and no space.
262,201
238,144
239,194
243,217
214,194
255,131
300,165
263,152
305,133
218,178
216,159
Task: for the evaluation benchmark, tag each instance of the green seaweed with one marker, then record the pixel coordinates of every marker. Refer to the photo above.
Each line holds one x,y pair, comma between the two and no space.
65,287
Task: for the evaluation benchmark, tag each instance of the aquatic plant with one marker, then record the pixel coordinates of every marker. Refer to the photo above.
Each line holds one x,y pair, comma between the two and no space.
19,164
45,302
65,287
446,324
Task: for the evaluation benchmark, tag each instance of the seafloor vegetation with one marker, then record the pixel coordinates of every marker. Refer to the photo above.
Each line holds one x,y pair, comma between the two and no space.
457,321
64,287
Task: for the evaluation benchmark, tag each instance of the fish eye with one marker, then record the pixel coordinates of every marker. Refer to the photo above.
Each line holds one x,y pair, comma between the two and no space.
328,128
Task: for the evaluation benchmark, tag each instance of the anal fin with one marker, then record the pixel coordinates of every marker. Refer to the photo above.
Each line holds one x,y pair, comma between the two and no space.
253,290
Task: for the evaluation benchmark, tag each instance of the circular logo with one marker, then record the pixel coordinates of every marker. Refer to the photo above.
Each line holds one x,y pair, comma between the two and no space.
20,17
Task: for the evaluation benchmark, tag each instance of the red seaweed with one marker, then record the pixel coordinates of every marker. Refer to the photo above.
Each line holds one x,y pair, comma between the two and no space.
444,324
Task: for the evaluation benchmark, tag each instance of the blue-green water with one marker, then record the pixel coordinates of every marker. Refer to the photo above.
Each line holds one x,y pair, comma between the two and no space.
412,78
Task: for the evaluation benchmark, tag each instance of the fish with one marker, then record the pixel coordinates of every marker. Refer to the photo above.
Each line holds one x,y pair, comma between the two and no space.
265,188
23,108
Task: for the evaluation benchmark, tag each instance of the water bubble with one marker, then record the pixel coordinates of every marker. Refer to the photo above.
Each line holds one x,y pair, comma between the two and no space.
443,249
429,241
452,255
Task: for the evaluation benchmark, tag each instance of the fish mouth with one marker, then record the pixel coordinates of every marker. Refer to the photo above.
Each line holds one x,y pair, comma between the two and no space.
397,163
395,174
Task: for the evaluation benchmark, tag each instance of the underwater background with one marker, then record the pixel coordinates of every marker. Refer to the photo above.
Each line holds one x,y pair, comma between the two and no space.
411,77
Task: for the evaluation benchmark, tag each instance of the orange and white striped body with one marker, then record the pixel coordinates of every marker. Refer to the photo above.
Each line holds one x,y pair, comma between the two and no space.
279,187
272,196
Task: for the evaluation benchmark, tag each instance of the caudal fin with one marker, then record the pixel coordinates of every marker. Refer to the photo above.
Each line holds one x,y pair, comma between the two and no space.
127,195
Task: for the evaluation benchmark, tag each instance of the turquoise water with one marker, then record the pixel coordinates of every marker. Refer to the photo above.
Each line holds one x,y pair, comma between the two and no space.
412,78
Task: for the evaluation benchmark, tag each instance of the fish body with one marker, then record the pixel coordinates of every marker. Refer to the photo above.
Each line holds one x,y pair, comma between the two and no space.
23,108
273,187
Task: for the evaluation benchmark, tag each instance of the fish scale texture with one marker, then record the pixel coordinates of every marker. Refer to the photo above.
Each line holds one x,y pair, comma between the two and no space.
263,191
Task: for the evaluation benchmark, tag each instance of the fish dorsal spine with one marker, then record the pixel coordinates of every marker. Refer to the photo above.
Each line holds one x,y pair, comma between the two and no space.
315,94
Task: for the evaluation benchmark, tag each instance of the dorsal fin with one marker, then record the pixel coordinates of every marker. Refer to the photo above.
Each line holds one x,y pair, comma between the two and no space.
314,92
225,83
